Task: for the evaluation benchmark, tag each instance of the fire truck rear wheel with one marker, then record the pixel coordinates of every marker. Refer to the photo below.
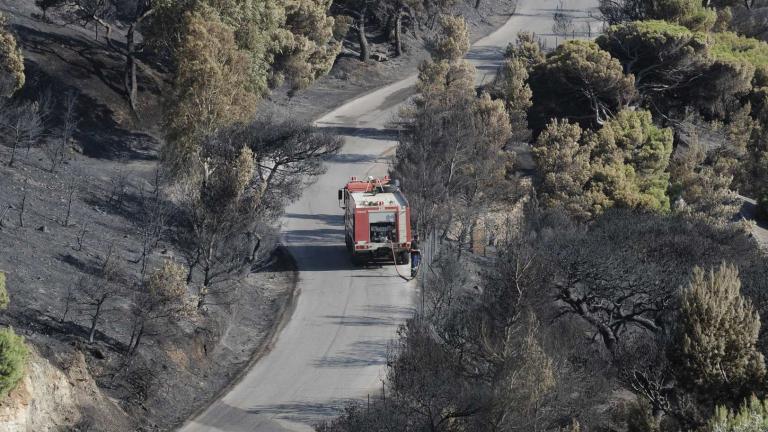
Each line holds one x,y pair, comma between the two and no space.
402,258
358,260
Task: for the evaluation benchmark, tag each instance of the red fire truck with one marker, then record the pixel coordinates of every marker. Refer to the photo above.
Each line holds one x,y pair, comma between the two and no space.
377,220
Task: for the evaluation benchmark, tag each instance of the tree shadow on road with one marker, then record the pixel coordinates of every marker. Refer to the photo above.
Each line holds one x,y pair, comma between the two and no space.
329,219
304,412
360,354
359,132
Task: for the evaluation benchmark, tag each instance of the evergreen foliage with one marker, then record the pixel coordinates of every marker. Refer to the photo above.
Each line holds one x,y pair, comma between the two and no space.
168,283
212,87
731,47
579,82
664,58
623,165
525,48
631,149
517,96
676,68
689,13
452,41
699,188
750,417
452,140
13,358
287,40
714,354
640,418
563,165
11,62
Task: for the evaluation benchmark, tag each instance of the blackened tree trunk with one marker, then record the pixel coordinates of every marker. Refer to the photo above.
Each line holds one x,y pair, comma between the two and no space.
477,3
363,40
134,344
143,10
95,317
389,26
129,77
399,33
13,152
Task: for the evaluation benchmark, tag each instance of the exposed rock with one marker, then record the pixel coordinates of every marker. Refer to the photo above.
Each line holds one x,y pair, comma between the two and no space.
52,399
41,402
379,57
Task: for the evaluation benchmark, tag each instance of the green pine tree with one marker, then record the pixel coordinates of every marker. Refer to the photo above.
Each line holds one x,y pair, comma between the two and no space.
13,359
751,417
714,354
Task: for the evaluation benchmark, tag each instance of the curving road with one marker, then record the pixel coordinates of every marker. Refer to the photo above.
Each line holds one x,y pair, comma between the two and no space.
333,349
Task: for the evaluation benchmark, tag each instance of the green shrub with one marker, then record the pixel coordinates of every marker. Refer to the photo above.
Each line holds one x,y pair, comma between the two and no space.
714,353
13,359
730,46
11,62
4,300
751,417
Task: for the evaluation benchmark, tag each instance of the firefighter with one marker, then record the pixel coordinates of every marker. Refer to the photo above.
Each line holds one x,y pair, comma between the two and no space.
415,255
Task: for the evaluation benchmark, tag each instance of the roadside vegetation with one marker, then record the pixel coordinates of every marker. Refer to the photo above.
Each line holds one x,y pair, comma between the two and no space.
13,351
201,222
611,284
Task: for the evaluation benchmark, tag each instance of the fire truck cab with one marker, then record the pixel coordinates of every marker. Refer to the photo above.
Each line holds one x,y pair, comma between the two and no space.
377,220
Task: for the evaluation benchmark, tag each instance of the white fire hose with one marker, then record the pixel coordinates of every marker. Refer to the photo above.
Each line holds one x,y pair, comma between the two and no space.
394,258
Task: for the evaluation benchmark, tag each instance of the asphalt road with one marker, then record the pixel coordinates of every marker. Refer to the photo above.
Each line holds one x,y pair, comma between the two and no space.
334,347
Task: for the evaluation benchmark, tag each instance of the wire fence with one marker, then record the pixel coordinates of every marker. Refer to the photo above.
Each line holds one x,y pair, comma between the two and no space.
430,248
